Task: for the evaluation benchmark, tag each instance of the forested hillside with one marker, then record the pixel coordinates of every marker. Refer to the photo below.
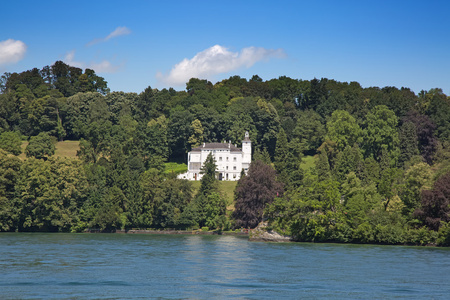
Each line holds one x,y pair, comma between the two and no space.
380,169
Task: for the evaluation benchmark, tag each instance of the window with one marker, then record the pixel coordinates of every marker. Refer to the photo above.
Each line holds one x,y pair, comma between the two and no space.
234,167
226,167
227,158
234,158
220,158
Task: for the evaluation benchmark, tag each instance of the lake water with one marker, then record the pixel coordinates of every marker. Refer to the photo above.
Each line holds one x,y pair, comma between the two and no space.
120,266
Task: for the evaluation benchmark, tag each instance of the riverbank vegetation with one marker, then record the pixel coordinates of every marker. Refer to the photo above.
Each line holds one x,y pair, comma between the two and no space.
333,161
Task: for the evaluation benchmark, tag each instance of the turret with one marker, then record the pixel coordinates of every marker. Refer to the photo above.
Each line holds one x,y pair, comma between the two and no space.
246,151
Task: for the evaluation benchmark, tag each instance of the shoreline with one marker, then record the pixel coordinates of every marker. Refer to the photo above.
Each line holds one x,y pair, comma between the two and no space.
179,232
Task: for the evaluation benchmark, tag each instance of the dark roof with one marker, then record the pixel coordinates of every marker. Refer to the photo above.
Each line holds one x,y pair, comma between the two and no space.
215,146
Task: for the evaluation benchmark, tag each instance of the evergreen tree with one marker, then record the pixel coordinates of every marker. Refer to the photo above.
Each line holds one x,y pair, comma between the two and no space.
281,156
263,156
209,182
408,142
287,162
323,167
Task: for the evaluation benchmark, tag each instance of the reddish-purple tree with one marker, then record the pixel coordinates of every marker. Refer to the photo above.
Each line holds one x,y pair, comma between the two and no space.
254,192
435,204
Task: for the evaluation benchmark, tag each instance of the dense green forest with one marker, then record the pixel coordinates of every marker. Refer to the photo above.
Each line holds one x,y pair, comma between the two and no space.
333,161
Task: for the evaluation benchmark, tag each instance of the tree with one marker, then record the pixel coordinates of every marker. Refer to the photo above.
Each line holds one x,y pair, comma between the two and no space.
309,131
253,193
263,156
281,158
417,178
323,167
152,139
209,182
210,210
11,142
171,201
179,131
50,194
343,129
408,142
381,133
311,213
439,110
9,174
196,138
40,146
435,204
425,131
287,161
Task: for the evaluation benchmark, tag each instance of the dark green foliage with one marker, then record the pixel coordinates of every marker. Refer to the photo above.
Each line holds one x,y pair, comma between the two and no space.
9,174
209,207
425,130
173,198
323,167
310,213
11,142
209,180
41,146
381,133
408,142
309,131
49,195
375,158
439,110
263,156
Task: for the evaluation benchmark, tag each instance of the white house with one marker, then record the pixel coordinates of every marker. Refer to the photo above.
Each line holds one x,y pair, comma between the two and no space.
230,160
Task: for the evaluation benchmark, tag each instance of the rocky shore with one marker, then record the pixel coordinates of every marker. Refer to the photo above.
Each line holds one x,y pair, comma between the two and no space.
262,234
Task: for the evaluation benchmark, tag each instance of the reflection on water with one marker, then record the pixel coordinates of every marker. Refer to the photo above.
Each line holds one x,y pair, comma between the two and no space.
114,266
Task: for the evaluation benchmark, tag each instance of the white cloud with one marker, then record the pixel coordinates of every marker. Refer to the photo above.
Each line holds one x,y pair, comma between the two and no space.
117,32
12,51
216,60
101,67
104,67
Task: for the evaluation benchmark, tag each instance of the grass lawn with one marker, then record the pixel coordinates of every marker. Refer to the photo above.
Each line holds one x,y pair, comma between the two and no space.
173,167
308,163
63,149
67,149
225,187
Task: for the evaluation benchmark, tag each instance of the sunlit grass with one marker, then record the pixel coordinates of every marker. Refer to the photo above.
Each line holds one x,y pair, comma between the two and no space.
62,149
67,149
225,187
308,163
172,167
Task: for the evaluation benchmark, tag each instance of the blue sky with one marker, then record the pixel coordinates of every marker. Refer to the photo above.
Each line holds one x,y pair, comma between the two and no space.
136,44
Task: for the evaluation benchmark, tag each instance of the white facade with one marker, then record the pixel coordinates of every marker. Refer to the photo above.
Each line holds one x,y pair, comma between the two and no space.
230,160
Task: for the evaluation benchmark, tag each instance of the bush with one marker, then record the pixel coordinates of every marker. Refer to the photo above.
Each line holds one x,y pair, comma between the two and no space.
444,235
205,228
422,236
